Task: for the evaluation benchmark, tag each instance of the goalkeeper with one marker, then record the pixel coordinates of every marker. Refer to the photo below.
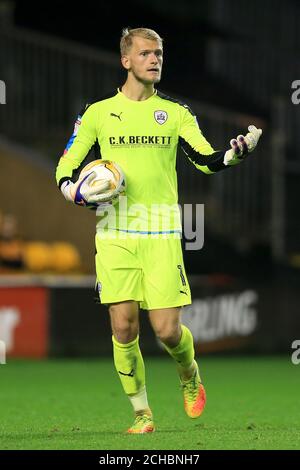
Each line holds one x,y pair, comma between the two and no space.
140,128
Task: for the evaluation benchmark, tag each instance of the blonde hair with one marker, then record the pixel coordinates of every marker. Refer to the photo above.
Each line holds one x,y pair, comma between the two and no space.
128,35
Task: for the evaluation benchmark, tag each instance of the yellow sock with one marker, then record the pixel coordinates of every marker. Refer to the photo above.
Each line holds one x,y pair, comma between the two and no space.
130,365
184,352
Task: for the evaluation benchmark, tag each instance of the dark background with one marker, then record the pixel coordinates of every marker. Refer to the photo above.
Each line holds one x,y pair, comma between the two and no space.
184,26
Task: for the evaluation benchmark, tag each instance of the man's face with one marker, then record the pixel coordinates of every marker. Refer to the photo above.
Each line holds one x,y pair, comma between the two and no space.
144,60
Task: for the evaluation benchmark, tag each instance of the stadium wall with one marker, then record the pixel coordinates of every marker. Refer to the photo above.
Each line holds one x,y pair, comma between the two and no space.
29,190
41,317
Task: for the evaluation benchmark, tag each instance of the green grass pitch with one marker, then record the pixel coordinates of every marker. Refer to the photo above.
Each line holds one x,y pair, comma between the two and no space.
253,403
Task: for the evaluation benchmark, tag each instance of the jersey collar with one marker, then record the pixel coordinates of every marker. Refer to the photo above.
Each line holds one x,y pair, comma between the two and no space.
135,101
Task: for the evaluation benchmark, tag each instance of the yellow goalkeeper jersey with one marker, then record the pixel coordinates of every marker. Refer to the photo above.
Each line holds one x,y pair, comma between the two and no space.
142,137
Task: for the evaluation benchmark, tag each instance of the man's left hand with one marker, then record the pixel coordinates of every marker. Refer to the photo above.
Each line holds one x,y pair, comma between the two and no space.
242,145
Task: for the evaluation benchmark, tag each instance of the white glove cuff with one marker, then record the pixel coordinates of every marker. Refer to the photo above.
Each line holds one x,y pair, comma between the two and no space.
228,157
66,190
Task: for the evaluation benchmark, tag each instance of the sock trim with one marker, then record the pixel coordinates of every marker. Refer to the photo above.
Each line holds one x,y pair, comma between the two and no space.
184,332
126,345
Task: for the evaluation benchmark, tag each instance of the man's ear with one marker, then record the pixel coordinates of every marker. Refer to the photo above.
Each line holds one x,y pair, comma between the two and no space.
125,62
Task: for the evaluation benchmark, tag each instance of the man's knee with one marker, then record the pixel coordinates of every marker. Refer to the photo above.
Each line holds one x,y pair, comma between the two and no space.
125,333
124,322
169,334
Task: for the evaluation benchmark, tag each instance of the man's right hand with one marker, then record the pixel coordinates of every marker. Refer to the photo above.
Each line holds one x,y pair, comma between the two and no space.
82,192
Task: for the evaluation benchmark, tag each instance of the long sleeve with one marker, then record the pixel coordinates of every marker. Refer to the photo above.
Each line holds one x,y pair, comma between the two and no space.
84,137
196,147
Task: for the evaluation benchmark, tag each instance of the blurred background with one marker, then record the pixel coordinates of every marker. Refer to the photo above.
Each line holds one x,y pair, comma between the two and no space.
234,63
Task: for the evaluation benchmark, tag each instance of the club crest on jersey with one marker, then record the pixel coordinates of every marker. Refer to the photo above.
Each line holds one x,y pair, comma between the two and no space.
160,116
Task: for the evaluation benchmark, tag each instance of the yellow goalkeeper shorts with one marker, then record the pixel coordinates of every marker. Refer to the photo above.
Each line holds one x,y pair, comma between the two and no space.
147,270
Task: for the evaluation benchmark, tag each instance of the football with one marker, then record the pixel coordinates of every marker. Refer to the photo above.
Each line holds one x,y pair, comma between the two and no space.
106,170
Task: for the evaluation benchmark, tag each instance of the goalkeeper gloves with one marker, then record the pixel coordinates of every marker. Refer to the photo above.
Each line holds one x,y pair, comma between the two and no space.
82,192
242,145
